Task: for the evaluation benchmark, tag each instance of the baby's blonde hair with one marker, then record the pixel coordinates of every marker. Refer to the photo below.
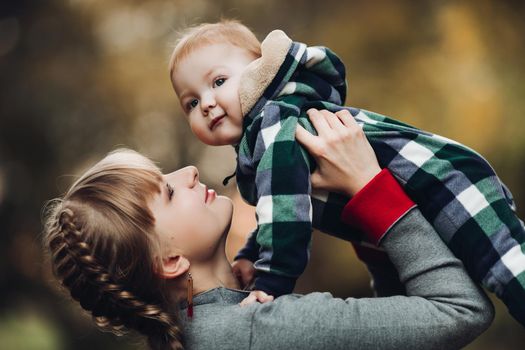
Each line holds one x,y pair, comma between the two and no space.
226,31
103,248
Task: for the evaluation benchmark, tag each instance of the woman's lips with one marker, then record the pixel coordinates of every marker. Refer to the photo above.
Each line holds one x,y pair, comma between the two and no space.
210,196
215,121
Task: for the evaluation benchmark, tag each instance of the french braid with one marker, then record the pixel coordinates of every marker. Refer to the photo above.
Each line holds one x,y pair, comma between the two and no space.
92,263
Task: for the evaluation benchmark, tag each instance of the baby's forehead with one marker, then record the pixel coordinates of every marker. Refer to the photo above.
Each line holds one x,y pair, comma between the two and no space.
203,59
205,53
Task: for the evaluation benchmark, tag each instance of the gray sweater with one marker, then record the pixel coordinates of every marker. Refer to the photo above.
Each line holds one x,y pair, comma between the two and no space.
443,308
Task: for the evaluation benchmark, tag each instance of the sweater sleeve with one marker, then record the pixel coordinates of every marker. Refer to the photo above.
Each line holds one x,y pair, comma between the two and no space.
377,206
443,307
374,209
384,277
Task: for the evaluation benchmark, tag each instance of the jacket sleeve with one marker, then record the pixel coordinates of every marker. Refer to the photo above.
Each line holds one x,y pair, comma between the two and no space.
443,307
284,210
460,194
250,250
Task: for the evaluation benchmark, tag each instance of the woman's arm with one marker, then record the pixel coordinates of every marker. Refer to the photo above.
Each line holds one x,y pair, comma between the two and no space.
443,309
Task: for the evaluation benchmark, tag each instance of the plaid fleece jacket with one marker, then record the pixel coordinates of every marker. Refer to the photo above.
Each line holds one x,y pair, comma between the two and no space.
455,188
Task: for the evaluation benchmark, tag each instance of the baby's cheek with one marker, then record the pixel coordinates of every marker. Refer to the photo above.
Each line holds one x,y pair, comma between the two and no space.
200,132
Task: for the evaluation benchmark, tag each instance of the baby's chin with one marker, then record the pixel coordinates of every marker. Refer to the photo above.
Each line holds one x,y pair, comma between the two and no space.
227,141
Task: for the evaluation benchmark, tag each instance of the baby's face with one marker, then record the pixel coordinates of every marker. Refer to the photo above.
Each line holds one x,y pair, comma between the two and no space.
207,84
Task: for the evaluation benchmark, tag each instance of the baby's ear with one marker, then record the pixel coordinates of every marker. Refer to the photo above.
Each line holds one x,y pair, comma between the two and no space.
174,266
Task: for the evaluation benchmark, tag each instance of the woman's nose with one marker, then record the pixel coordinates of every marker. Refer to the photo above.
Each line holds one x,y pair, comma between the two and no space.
193,175
187,176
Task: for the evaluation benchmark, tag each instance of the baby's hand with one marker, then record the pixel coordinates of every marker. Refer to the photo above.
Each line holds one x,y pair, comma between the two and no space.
244,271
256,295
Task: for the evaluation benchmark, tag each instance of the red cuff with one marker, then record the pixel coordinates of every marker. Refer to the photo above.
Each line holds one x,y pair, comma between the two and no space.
377,206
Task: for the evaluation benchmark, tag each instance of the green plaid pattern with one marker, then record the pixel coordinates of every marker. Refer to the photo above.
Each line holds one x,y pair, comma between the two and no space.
455,188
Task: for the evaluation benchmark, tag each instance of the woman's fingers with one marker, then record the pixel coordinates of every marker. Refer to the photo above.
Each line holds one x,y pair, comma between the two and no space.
305,138
332,120
318,120
345,158
346,118
326,122
330,127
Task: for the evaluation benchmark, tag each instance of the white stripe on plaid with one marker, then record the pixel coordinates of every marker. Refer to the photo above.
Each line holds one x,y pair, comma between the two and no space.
365,118
473,200
264,210
299,54
314,55
416,153
514,259
288,89
270,133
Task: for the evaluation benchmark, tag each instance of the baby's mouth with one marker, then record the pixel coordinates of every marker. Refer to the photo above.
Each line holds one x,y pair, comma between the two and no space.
215,120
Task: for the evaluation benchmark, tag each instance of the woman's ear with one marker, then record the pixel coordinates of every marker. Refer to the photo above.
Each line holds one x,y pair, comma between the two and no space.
174,266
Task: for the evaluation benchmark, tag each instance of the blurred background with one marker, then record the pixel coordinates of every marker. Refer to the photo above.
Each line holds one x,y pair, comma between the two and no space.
79,78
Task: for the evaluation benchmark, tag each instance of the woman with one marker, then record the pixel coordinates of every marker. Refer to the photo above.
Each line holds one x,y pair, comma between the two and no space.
132,244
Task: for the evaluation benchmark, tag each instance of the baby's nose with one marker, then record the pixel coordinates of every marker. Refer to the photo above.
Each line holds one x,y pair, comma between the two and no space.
208,103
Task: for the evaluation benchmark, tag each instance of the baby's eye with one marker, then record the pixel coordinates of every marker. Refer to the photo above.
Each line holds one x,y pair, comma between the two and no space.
219,82
192,104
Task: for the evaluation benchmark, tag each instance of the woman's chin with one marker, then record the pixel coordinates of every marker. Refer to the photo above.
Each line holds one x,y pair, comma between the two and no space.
224,198
224,212
227,204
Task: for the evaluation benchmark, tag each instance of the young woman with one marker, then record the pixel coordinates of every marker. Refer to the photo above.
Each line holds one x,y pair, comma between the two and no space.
145,251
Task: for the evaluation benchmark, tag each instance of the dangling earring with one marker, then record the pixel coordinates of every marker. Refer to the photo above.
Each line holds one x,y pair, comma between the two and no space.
190,295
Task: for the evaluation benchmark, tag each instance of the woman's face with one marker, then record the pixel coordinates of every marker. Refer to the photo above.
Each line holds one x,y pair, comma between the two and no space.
190,219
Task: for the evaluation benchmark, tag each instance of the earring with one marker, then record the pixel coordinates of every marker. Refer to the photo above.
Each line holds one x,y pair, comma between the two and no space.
190,295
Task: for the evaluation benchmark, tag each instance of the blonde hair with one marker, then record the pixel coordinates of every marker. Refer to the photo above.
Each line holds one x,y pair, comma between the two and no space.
226,31
103,248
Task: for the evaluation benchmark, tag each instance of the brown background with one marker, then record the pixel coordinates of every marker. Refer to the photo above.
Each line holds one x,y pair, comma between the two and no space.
79,78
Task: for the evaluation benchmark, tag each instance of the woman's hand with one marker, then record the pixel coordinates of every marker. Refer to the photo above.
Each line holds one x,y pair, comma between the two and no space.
346,161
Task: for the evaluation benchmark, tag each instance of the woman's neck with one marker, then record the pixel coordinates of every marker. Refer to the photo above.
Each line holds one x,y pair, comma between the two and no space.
212,275
216,272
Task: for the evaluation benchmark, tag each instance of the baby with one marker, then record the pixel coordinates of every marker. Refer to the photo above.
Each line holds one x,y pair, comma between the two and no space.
237,91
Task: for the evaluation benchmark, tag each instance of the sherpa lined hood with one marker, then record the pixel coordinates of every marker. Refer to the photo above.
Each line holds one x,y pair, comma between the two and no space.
286,67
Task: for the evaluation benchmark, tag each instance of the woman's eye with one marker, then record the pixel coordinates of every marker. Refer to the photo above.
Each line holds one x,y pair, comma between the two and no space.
193,103
170,191
219,81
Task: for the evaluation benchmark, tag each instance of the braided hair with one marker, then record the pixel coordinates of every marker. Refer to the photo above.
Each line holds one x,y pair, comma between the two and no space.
102,246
